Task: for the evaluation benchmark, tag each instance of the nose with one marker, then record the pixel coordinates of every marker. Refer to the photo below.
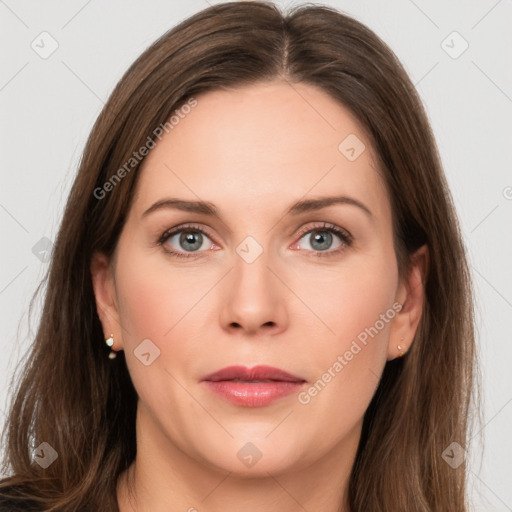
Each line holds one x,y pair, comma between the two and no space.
255,298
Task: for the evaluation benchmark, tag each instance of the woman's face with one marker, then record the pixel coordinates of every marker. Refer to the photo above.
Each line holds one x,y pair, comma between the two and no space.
264,282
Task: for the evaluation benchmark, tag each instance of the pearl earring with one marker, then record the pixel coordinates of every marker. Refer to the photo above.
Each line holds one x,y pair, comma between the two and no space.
401,349
110,343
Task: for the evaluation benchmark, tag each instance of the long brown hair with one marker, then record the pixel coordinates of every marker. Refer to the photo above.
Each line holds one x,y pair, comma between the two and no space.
73,397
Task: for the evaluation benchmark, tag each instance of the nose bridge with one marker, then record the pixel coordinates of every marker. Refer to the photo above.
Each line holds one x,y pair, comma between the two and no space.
251,275
253,298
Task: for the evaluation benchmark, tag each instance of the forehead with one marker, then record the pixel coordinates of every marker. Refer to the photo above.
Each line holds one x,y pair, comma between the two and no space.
263,145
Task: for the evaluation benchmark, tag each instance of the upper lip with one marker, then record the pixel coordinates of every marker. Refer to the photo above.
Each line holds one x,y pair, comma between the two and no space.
244,373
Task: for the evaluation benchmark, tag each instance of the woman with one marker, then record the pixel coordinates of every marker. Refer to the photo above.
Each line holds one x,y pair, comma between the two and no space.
297,354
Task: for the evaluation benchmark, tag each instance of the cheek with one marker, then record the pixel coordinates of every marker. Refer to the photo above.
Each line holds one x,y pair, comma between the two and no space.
147,307
158,303
357,307
155,298
165,304
351,299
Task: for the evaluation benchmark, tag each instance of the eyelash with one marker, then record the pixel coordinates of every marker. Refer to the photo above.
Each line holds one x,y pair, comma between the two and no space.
344,236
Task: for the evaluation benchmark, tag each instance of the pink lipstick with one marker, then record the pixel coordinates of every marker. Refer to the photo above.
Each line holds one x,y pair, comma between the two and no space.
252,387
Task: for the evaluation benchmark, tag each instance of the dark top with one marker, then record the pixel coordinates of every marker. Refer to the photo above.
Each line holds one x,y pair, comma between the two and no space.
16,505
22,505
8,504
10,501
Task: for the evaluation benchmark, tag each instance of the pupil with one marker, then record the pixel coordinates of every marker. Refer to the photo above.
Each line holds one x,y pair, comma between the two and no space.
324,237
195,239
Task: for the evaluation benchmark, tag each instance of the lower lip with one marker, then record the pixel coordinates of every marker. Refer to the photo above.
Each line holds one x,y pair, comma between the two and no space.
255,394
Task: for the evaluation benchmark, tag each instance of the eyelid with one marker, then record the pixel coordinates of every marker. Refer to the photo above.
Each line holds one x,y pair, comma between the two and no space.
183,227
186,227
328,227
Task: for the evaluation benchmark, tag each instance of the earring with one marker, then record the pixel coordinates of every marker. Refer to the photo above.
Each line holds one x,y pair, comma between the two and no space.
401,349
110,343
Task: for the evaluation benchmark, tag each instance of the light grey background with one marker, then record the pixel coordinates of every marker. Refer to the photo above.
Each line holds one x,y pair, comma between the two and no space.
48,106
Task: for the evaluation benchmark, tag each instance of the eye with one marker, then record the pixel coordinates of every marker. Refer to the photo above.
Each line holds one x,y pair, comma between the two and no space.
183,240
320,239
187,241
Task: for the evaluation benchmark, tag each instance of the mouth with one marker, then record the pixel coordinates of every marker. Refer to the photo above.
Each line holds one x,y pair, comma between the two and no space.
252,387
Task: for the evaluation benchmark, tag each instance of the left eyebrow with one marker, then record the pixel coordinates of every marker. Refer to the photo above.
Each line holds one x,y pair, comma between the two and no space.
207,208
307,205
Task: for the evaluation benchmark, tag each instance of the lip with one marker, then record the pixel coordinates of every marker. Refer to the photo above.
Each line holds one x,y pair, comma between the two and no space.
252,387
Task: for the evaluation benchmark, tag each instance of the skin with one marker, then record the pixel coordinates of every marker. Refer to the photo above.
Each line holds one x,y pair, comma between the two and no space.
253,151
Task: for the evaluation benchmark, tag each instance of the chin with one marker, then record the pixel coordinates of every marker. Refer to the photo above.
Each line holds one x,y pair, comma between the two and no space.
256,458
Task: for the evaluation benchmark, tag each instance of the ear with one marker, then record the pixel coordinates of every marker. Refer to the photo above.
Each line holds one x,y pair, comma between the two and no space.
103,282
411,295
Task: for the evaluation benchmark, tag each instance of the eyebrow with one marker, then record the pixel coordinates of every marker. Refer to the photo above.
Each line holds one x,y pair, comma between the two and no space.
207,208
